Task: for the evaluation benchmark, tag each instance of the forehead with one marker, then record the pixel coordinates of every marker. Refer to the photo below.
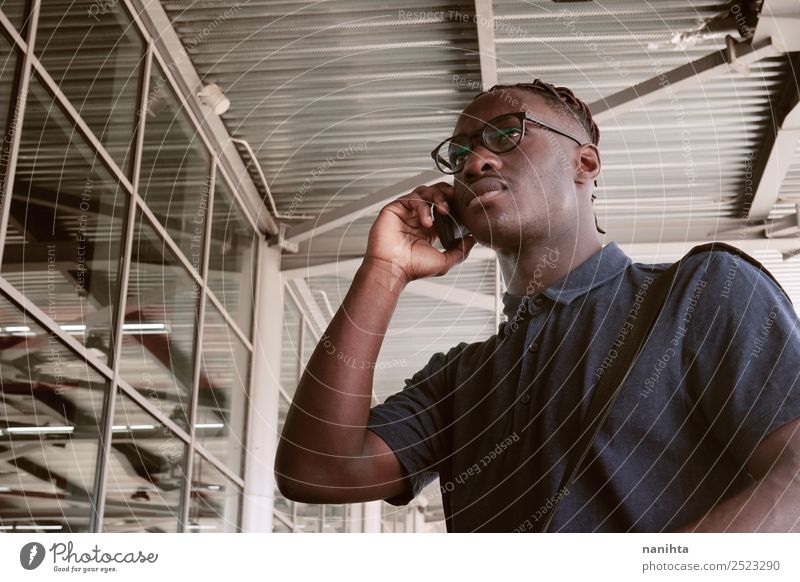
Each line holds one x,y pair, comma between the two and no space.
502,101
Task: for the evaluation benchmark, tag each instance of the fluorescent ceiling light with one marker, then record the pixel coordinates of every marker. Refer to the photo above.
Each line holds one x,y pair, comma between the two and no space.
210,425
39,429
143,326
40,526
76,327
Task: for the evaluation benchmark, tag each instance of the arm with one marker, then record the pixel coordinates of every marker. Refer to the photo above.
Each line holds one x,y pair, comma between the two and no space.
326,454
772,504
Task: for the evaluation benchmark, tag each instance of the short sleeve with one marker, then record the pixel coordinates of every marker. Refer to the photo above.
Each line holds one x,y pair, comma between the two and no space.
743,339
415,422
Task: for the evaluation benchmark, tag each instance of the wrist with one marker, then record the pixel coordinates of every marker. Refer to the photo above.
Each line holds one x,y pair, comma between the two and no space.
386,274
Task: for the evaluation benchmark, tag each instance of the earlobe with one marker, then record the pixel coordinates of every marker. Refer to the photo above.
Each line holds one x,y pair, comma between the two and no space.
590,165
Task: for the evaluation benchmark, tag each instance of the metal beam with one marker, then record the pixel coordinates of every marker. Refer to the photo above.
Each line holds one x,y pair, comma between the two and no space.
349,212
452,294
780,20
308,305
670,251
775,155
347,266
736,56
484,18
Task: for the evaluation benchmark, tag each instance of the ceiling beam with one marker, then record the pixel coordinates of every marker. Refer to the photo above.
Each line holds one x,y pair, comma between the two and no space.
737,56
350,212
346,266
452,294
780,19
775,155
484,19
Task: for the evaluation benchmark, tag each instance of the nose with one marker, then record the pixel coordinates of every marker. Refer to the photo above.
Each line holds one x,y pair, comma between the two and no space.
479,162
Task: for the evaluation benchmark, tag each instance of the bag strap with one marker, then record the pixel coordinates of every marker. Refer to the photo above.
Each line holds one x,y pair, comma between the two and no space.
610,384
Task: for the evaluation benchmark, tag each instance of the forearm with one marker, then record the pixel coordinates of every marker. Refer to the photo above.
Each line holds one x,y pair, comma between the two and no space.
772,504
328,416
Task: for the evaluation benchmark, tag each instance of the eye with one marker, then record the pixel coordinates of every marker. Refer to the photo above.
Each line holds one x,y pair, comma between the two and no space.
504,137
457,154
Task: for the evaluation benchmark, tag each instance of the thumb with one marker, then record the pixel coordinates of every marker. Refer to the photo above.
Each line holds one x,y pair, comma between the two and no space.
459,252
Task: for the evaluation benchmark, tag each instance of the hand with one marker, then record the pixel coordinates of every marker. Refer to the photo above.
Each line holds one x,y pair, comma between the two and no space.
402,237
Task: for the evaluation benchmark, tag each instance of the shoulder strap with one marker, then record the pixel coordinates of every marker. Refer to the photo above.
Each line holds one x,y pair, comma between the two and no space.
610,384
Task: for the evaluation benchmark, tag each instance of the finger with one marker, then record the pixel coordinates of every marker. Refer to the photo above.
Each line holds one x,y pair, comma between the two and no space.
422,197
440,201
459,252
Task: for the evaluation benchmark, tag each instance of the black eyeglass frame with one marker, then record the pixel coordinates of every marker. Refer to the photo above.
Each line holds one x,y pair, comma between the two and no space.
441,163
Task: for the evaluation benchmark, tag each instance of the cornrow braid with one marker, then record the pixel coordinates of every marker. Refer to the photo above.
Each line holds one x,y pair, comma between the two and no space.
561,97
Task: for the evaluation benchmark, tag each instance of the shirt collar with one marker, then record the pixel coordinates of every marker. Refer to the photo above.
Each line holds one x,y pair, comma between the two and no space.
602,266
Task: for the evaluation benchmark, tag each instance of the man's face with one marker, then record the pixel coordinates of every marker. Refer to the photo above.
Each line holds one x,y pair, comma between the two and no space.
523,195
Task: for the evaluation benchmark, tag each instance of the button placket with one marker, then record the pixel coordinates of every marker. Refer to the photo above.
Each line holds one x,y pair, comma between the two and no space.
523,397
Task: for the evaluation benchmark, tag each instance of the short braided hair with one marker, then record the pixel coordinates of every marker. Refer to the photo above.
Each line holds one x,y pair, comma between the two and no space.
560,97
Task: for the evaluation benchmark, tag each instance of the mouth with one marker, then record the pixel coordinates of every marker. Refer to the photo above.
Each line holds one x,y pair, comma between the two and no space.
484,189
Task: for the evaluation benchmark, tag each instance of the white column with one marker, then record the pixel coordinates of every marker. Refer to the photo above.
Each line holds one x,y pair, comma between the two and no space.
355,518
372,517
419,519
259,479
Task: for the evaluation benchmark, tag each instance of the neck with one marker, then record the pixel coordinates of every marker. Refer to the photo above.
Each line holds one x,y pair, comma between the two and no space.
532,268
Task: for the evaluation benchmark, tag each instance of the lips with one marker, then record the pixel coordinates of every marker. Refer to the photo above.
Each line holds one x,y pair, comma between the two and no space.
483,189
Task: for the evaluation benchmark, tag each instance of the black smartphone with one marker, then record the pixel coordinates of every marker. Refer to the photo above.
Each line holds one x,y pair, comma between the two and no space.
448,228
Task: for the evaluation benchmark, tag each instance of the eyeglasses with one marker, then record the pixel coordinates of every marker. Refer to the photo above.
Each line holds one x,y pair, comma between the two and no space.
499,135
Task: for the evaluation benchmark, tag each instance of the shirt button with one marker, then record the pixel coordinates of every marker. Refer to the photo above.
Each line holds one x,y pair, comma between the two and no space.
539,301
533,347
525,398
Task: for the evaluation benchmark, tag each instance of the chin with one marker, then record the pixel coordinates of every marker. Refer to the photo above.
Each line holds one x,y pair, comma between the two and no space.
497,235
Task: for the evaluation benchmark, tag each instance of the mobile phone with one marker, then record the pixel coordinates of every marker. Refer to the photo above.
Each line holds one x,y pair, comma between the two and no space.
448,228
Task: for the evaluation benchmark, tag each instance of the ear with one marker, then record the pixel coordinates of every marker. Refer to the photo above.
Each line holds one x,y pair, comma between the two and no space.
589,167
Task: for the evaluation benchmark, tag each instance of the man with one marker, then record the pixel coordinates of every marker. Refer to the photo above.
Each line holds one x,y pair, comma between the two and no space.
704,435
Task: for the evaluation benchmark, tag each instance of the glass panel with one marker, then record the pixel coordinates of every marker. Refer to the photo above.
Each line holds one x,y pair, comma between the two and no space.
175,164
283,506
222,395
215,500
160,318
8,66
290,347
145,472
279,527
92,50
393,518
308,518
49,429
65,226
231,268
334,519
15,11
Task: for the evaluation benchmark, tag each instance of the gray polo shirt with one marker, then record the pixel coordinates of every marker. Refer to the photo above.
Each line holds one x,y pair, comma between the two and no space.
495,419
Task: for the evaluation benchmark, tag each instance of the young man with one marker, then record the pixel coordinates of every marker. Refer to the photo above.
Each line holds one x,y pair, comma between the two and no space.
704,435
